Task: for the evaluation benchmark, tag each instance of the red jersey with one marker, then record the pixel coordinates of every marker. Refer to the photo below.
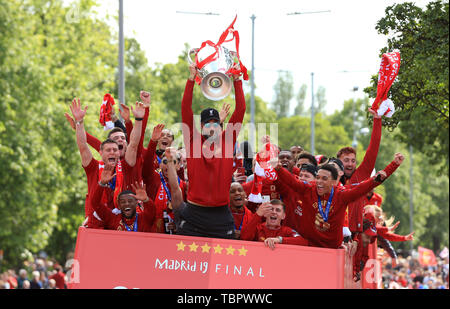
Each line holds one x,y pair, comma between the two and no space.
364,170
375,199
60,280
143,221
210,177
386,234
327,236
256,230
241,219
92,174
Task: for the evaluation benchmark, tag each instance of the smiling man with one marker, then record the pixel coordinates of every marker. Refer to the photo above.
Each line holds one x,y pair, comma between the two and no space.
125,173
324,203
353,174
128,219
209,155
241,214
271,232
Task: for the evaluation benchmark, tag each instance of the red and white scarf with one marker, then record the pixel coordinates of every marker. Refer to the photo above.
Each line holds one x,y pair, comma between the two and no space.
389,68
105,112
119,182
263,170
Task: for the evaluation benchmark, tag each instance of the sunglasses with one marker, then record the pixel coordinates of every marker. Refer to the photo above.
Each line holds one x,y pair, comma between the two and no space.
212,124
165,161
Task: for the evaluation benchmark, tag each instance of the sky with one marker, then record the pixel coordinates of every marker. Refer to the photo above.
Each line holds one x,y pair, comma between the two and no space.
340,46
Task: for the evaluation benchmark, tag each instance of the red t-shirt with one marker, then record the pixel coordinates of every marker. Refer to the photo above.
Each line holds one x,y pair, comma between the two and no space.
241,219
328,237
364,170
257,230
210,176
92,174
375,199
59,278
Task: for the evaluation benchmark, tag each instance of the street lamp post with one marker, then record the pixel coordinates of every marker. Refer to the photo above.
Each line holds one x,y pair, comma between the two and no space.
312,87
121,58
252,83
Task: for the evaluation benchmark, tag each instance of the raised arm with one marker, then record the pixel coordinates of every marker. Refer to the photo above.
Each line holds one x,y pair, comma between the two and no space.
78,114
96,201
91,140
131,153
249,231
287,179
367,165
175,190
187,115
355,191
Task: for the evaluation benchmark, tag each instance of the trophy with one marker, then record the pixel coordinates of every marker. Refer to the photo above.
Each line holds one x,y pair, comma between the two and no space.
215,80
215,64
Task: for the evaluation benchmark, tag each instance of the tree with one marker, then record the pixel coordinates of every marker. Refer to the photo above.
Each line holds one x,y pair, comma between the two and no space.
321,100
284,92
300,108
420,93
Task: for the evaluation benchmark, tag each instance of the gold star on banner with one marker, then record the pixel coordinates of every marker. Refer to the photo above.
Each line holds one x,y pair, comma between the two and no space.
230,250
218,249
180,246
205,248
242,251
193,247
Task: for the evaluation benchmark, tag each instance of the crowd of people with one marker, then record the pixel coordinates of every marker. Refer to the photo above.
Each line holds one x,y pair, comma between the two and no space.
38,272
408,273
214,186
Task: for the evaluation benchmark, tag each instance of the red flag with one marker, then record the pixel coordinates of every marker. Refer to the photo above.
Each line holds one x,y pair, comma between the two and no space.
426,257
105,112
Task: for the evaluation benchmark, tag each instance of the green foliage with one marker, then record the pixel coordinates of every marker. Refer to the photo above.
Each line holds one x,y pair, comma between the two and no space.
420,93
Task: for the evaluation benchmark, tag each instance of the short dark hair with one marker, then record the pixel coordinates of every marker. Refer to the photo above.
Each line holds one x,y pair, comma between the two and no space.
124,193
108,141
114,130
307,155
331,169
278,202
337,161
310,168
345,150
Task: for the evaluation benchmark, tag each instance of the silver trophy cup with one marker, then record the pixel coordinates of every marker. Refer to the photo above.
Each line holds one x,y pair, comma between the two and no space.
215,83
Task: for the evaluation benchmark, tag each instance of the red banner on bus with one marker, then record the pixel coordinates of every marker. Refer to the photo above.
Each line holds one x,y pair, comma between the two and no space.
116,259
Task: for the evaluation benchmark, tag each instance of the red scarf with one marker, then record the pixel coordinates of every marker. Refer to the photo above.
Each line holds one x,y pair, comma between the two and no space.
105,112
119,182
263,170
390,65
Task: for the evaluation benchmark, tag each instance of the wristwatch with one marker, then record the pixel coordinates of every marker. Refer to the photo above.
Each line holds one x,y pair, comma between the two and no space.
281,239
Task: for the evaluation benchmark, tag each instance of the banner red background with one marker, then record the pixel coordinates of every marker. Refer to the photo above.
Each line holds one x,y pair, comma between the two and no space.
110,259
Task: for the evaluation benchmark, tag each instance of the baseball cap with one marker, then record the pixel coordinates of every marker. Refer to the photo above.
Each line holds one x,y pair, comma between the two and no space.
209,114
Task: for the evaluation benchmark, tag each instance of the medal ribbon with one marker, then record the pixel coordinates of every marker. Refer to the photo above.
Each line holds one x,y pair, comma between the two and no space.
135,225
327,209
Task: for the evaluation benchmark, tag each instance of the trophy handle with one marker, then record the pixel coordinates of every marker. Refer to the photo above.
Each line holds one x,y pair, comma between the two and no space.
192,51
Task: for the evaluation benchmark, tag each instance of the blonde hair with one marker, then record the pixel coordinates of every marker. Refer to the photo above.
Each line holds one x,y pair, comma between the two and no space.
380,215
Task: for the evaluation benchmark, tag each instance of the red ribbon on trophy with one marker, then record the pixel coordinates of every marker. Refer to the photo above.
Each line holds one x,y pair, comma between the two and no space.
223,39
389,68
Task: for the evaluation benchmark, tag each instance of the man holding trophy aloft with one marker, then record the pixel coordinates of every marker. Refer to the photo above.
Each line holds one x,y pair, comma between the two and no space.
209,153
